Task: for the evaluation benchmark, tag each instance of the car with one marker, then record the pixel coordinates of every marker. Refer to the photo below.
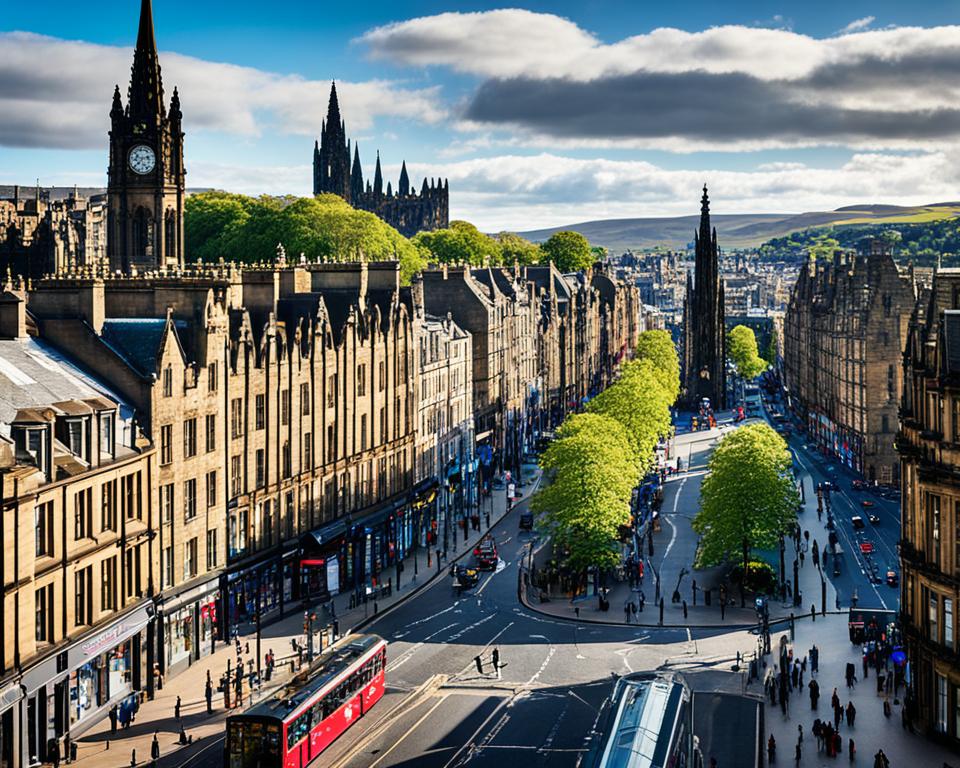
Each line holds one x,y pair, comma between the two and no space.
464,577
874,519
829,485
893,578
526,521
857,522
485,554
867,503
858,485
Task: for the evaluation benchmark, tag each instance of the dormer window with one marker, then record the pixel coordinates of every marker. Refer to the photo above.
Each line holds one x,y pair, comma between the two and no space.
107,435
32,445
74,437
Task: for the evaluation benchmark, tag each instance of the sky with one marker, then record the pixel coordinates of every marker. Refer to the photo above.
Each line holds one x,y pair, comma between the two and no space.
541,115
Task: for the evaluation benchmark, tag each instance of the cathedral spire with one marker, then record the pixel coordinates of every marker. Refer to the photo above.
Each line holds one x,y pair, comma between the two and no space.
378,178
145,98
356,176
404,189
705,216
333,108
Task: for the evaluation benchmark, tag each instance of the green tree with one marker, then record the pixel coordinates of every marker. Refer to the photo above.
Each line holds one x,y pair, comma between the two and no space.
659,349
591,470
570,251
742,351
748,499
516,249
770,351
461,243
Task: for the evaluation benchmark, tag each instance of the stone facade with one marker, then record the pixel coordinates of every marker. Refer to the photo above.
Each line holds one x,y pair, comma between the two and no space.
404,210
43,232
929,447
704,328
843,335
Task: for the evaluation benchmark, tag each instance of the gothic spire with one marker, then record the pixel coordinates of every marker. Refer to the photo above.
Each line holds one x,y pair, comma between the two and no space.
404,189
145,98
117,109
333,109
378,178
705,216
356,176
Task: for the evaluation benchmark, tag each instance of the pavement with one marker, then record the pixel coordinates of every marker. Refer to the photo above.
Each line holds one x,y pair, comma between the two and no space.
98,747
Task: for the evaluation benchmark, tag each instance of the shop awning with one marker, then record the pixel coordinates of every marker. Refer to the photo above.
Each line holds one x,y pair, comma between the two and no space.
424,487
379,516
327,533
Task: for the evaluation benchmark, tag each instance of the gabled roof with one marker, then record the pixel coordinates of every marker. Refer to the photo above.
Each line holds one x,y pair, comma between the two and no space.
137,340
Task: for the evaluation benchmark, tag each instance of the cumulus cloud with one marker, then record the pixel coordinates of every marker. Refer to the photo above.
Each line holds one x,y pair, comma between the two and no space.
738,86
56,93
858,25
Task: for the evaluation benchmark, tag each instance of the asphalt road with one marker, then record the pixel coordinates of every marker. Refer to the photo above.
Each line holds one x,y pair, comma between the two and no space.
855,567
438,711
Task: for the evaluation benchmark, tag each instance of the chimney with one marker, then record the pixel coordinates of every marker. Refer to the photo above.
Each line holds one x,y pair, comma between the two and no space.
90,301
13,316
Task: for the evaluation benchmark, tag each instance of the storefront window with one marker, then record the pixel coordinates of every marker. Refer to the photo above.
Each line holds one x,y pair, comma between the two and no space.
118,670
287,582
84,690
180,634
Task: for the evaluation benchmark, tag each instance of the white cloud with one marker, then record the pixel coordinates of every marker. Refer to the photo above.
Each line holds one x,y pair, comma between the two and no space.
56,93
857,25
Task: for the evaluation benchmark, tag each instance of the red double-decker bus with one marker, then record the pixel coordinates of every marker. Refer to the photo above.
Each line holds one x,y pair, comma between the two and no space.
293,728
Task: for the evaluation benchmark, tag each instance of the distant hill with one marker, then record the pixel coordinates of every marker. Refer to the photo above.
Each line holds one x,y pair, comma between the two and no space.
741,230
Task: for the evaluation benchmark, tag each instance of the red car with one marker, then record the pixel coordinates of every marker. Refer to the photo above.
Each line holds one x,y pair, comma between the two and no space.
485,554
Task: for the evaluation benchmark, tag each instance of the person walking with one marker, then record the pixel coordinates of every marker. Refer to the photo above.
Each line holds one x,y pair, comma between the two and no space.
208,695
835,699
851,714
814,659
814,687
771,750
53,752
626,611
155,748
851,749
113,719
798,753
176,709
496,662
880,760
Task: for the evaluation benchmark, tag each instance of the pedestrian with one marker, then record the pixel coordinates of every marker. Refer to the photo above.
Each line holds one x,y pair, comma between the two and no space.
208,695
684,610
880,760
155,748
496,658
771,749
799,732
835,699
479,662
818,733
851,714
837,716
113,719
798,753
176,709
813,612
795,676
814,687
886,708
626,611
53,751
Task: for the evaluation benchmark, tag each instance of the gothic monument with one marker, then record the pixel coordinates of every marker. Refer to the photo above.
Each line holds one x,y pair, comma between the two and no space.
704,334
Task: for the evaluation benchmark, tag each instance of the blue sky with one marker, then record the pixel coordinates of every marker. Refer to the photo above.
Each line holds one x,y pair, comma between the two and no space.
540,115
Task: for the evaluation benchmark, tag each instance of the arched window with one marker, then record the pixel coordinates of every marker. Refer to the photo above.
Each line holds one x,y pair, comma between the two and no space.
143,235
170,235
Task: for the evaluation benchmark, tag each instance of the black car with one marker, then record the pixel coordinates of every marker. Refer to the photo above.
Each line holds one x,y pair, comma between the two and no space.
463,577
526,521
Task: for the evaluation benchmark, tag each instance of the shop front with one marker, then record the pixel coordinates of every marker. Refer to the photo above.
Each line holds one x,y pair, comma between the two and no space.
321,564
10,696
190,626
268,587
68,693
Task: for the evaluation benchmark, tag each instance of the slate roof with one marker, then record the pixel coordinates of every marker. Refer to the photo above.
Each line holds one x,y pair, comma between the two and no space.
34,375
137,340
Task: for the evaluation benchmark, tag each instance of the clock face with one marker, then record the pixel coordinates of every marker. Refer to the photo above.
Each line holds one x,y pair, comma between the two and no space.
142,159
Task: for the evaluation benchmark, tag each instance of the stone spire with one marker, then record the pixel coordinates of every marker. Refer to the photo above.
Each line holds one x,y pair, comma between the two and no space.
356,175
145,97
404,188
378,178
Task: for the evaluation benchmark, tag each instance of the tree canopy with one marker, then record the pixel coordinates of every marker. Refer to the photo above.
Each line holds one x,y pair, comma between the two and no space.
659,349
748,498
463,243
591,469
221,225
569,251
742,351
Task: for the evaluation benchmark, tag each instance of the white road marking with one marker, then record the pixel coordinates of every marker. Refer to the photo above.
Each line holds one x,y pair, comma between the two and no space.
466,629
404,657
409,731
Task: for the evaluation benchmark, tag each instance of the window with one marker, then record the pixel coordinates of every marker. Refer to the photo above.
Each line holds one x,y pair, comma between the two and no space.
108,584
211,549
168,382
166,444
933,528
236,417
212,377
383,425
190,499
168,566
44,607
363,432
211,432
43,524
307,452
331,390
261,468
260,411
361,380
130,496
212,488
932,616
132,558
190,559
305,399
106,433
941,704
166,503
948,622
82,515
331,443
108,507
285,407
83,597
236,479
287,460
955,421
381,376
189,438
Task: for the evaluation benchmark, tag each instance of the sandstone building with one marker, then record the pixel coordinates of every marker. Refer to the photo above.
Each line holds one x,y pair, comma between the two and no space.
843,335
404,210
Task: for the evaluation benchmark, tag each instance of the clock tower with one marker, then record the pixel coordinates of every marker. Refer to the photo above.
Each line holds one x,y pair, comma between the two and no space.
145,187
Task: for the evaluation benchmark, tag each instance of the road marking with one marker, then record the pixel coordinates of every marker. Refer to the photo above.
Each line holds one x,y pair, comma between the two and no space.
409,731
466,629
431,617
404,657
468,744
623,653
543,666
